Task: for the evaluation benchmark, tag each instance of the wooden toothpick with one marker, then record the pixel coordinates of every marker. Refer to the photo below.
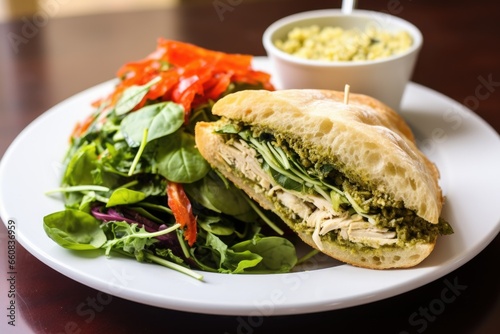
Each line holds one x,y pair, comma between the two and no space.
346,94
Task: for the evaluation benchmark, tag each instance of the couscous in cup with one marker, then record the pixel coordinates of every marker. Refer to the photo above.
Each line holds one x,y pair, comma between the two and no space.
372,52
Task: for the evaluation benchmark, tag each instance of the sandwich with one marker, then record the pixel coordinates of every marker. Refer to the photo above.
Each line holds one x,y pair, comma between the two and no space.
345,174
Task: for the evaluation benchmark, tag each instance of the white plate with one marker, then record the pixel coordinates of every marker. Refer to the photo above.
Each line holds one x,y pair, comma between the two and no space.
465,148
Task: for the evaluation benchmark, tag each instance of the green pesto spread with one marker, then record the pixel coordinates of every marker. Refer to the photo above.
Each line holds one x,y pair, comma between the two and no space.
380,207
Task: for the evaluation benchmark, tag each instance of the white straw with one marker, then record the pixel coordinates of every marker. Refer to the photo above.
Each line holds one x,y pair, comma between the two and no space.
348,6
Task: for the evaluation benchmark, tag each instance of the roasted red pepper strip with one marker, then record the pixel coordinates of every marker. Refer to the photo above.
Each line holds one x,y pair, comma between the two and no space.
191,75
183,213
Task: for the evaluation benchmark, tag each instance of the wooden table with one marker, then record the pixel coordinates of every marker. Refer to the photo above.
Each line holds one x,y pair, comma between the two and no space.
44,60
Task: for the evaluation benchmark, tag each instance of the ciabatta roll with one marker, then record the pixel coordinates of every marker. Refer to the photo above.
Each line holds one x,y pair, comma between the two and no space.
348,178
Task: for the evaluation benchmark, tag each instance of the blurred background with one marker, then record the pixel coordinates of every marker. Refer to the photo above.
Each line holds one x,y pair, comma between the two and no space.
12,9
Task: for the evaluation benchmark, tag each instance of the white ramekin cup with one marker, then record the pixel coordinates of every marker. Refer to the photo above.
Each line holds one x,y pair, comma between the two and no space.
384,79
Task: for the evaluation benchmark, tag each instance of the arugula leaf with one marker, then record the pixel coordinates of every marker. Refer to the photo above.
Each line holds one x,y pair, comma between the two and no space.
130,238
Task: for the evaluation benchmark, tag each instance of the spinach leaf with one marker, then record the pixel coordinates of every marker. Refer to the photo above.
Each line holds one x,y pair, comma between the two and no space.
160,119
218,196
257,255
151,184
278,254
80,167
215,225
240,262
74,229
178,159
132,96
122,196
227,260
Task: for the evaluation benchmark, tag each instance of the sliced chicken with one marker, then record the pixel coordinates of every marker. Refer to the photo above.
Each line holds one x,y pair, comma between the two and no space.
314,210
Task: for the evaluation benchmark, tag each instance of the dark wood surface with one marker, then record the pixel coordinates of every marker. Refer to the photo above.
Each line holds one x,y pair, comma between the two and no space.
54,58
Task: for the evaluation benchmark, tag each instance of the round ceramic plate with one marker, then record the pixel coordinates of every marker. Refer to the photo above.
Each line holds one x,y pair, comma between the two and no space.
464,147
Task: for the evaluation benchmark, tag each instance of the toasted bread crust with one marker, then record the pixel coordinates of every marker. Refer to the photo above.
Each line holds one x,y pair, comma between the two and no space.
371,141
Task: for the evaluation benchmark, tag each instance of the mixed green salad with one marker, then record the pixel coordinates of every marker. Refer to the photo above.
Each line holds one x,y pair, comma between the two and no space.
135,184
